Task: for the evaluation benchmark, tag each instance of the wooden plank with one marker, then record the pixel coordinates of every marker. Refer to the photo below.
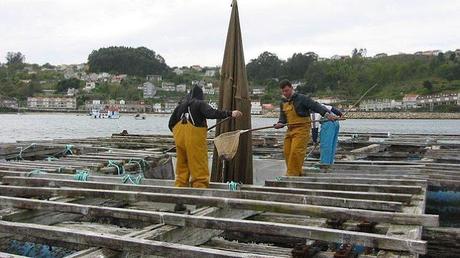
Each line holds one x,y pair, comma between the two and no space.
368,149
254,195
7,255
114,242
105,252
409,231
357,180
290,208
317,233
261,249
174,234
161,182
347,187
364,175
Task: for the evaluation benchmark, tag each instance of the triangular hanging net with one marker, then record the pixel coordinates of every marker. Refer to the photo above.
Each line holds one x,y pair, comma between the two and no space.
227,144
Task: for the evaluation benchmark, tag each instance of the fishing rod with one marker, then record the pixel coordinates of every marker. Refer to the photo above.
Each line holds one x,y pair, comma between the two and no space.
359,100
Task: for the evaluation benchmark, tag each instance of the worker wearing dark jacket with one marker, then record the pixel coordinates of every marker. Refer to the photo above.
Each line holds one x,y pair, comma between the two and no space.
295,112
189,127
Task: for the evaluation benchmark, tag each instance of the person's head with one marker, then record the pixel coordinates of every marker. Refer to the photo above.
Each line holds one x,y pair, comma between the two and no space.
286,88
197,93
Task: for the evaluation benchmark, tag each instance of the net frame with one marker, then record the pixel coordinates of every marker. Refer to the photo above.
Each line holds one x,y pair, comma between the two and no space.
227,144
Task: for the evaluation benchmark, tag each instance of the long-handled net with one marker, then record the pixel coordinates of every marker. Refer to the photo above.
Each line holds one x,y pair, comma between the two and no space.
227,143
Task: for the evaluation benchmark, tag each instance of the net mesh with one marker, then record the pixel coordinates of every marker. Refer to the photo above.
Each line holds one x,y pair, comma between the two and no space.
227,144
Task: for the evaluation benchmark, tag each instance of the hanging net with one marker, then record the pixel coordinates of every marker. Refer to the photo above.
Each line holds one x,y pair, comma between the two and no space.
227,144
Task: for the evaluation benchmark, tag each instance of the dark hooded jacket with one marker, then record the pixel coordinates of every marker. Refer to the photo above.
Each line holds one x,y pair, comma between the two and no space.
303,106
199,110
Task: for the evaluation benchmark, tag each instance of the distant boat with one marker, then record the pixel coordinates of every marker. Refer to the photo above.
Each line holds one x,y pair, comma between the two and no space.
106,114
140,117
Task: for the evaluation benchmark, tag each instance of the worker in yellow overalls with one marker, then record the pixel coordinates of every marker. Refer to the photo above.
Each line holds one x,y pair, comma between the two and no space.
295,112
189,127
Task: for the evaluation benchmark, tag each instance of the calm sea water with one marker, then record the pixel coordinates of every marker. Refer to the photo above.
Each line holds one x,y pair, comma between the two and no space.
43,126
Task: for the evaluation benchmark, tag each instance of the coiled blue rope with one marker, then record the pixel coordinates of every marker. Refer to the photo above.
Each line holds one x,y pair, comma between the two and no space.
135,180
68,149
120,169
81,175
232,186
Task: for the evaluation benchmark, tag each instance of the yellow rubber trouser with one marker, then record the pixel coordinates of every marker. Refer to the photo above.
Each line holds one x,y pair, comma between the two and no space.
192,156
296,140
295,148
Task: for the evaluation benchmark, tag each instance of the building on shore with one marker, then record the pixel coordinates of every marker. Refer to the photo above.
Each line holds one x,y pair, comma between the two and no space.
409,101
327,100
10,103
428,53
149,90
439,99
52,103
380,105
89,86
169,106
154,78
181,88
121,106
256,108
258,91
168,86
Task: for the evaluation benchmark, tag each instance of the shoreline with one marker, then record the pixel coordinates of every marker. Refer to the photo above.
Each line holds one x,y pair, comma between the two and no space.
350,115
394,115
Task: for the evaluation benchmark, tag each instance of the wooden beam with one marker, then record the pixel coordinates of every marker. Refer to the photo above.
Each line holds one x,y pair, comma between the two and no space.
347,187
270,228
161,182
254,195
7,255
113,241
357,180
290,208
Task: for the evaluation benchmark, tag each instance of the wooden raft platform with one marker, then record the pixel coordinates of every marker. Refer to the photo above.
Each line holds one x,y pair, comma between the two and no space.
375,208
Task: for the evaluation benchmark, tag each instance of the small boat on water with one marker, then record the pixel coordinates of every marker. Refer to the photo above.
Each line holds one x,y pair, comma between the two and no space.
140,117
108,114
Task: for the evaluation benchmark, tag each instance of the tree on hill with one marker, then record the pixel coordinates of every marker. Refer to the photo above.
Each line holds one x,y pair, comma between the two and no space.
15,60
296,66
266,66
139,61
66,84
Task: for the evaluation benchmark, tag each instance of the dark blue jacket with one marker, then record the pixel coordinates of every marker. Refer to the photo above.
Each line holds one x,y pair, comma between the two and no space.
303,106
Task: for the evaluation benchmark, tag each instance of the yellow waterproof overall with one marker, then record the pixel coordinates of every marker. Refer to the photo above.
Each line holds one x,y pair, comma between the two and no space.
192,156
296,140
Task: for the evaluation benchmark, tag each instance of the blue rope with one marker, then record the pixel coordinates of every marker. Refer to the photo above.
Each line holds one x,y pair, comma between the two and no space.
19,156
81,175
232,186
68,149
120,169
135,180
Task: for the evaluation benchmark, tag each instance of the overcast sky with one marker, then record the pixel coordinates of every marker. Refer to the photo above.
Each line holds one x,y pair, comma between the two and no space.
187,32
